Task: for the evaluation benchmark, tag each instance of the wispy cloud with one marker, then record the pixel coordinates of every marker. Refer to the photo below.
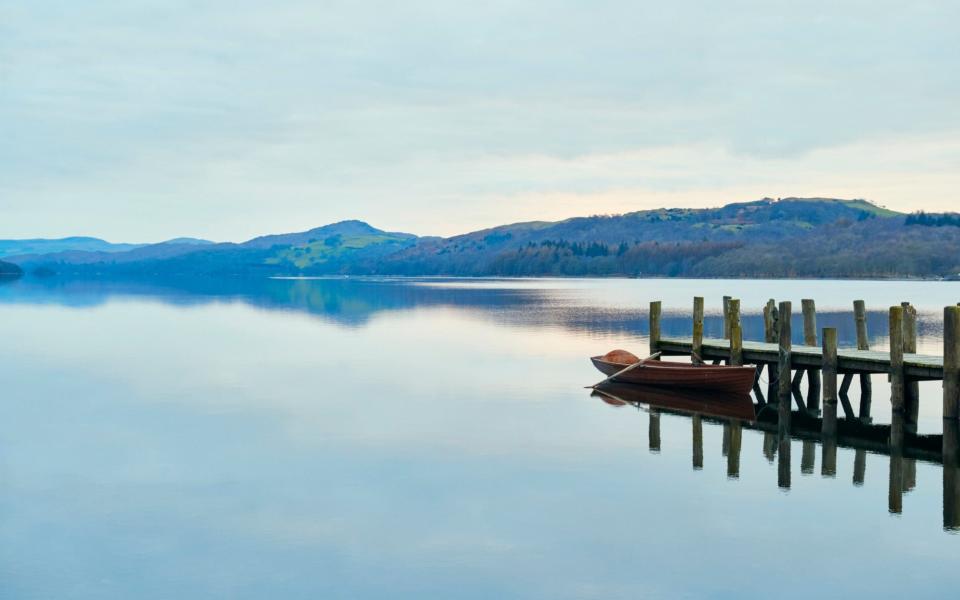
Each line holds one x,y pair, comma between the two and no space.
151,119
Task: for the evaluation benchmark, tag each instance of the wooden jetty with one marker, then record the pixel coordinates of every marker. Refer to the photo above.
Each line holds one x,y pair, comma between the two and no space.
821,361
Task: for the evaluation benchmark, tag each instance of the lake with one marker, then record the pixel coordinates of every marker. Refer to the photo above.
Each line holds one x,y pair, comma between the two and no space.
343,438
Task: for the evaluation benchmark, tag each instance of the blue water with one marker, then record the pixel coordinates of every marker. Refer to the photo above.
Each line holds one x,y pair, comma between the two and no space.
419,439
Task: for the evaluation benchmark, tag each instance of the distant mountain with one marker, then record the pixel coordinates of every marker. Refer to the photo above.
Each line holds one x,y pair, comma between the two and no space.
323,250
791,237
189,240
44,246
39,246
8,270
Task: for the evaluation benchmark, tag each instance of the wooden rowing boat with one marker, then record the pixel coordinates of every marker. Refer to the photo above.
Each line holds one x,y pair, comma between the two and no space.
721,378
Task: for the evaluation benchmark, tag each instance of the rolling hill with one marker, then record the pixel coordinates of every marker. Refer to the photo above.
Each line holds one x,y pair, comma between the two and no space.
791,237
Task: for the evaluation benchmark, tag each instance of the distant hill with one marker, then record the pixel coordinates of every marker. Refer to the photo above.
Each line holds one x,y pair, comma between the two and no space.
39,246
791,237
8,270
323,250
44,246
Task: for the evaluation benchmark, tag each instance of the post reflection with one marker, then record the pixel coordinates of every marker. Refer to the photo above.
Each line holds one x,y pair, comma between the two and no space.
769,445
902,447
951,475
697,442
859,466
828,460
733,450
895,487
783,463
654,431
808,457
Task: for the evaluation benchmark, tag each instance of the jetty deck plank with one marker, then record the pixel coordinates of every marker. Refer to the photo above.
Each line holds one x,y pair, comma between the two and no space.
849,360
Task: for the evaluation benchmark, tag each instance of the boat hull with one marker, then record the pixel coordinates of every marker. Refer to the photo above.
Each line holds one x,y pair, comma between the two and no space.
722,378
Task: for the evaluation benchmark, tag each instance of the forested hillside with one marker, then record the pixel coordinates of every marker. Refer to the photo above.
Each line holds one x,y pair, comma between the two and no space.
814,237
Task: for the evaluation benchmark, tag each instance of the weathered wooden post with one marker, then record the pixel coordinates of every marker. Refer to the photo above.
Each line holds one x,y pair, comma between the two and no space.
654,431
951,362
896,359
911,388
736,333
733,453
829,365
951,474
828,429
772,332
863,343
810,339
783,368
655,309
697,345
697,442
726,317
769,329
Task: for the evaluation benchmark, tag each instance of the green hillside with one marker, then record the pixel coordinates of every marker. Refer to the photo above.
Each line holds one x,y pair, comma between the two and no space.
789,237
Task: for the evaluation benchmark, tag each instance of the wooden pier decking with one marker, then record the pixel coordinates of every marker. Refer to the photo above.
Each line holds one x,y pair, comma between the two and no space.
920,367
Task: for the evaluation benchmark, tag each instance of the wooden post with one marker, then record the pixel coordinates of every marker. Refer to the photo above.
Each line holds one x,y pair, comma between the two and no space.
829,365
863,343
772,337
860,317
726,317
810,339
655,311
809,322
911,388
769,322
951,362
896,359
697,442
697,346
828,429
785,394
736,333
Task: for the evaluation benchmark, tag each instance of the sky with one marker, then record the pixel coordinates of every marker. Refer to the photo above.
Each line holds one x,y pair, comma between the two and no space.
145,120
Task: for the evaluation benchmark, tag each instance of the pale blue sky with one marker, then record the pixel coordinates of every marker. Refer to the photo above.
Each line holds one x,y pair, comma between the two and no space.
143,120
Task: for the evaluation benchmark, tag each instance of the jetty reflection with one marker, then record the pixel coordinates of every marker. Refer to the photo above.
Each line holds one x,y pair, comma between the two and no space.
826,434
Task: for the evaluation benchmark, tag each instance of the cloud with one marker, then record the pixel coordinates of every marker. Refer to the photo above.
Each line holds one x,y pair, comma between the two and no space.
147,120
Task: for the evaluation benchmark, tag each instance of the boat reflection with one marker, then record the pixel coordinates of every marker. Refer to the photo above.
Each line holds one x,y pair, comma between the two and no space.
735,413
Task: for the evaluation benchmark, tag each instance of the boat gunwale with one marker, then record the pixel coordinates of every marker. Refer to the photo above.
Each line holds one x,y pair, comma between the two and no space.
672,365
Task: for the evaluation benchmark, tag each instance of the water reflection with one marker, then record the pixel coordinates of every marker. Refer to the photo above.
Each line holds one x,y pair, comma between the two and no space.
596,306
903,447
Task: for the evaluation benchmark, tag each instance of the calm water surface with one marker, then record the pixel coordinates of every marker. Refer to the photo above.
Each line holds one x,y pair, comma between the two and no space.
432,438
